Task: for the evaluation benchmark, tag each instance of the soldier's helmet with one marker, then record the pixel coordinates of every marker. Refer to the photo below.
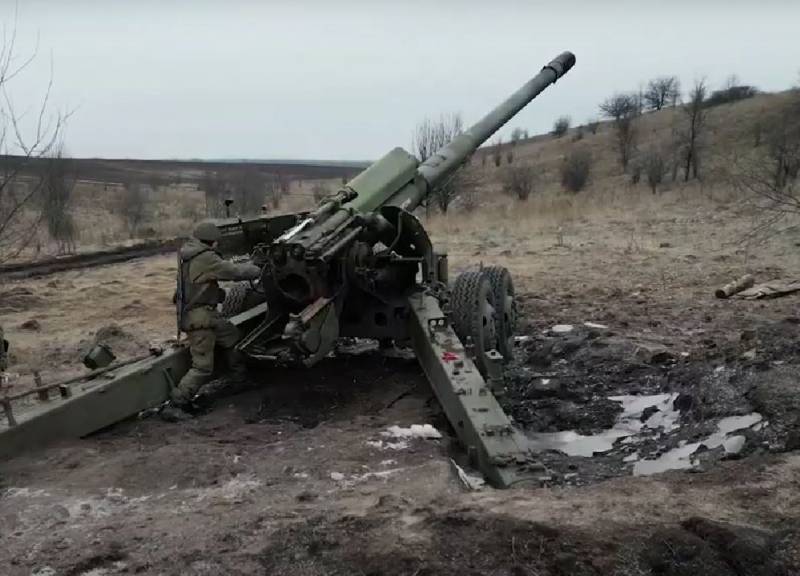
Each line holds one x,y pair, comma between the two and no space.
206,231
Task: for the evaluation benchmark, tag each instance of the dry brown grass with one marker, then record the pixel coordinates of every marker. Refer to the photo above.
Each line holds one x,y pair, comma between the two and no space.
173,210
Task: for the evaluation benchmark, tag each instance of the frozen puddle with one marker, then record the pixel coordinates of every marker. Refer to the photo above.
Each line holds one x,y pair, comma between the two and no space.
628,424
681,457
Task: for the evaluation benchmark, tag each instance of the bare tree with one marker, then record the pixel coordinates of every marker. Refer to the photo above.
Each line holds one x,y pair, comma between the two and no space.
58,183
661,91
696,113
518,134
429,137
519,181
24,145
133,204
623,109
770,179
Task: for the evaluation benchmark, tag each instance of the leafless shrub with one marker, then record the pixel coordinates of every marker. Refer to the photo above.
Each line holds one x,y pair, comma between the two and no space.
636,172
733,91
575,170
468,198
560,126
518,134
272,191
22,148
58,182
519,181
213,187
661,92
623,109
319,191
592,126
133,203
654,168
578,134
497,152
429,137
510,154
247,190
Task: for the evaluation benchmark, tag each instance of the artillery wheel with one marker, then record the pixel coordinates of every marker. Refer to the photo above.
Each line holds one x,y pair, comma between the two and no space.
505,307
473,315
238,298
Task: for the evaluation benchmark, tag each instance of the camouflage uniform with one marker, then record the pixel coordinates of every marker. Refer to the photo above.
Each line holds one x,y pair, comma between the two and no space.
3,352
201,268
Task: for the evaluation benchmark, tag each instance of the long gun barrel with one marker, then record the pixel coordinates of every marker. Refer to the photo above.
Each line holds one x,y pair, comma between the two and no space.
301,257
446,160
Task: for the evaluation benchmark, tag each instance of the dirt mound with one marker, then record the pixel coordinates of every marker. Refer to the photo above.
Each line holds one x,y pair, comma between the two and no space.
122,343
702,546
467,543
18,299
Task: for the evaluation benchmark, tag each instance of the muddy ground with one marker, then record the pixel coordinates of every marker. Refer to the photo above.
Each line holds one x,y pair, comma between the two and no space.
295,474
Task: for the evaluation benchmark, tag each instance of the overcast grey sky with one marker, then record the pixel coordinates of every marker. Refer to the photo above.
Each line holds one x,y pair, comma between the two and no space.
350,79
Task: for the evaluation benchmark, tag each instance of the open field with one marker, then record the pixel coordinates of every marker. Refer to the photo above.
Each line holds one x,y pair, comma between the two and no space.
294,476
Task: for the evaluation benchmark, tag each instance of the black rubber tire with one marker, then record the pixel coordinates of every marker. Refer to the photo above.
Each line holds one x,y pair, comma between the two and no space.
505,309
469,297
238,298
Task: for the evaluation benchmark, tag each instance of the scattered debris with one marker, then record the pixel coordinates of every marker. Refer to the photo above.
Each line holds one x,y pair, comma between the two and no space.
469,481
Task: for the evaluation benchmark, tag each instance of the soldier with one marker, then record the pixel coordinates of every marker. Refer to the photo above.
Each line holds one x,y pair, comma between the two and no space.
201,267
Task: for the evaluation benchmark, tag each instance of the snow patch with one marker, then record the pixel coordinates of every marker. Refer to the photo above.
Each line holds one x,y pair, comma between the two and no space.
425,431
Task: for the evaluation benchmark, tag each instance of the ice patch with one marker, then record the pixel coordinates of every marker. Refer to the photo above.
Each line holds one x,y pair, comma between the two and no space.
425,431
25,493
353,479
562,328
595,325
681,457
628,424
381,445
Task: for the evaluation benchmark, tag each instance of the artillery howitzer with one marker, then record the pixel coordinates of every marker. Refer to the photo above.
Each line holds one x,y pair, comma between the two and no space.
362,265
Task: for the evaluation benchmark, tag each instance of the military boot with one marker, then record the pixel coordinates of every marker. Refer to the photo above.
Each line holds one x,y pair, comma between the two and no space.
238,368
173,413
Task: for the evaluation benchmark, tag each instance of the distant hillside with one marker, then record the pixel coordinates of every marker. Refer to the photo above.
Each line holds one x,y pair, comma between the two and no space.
733,130
113,171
